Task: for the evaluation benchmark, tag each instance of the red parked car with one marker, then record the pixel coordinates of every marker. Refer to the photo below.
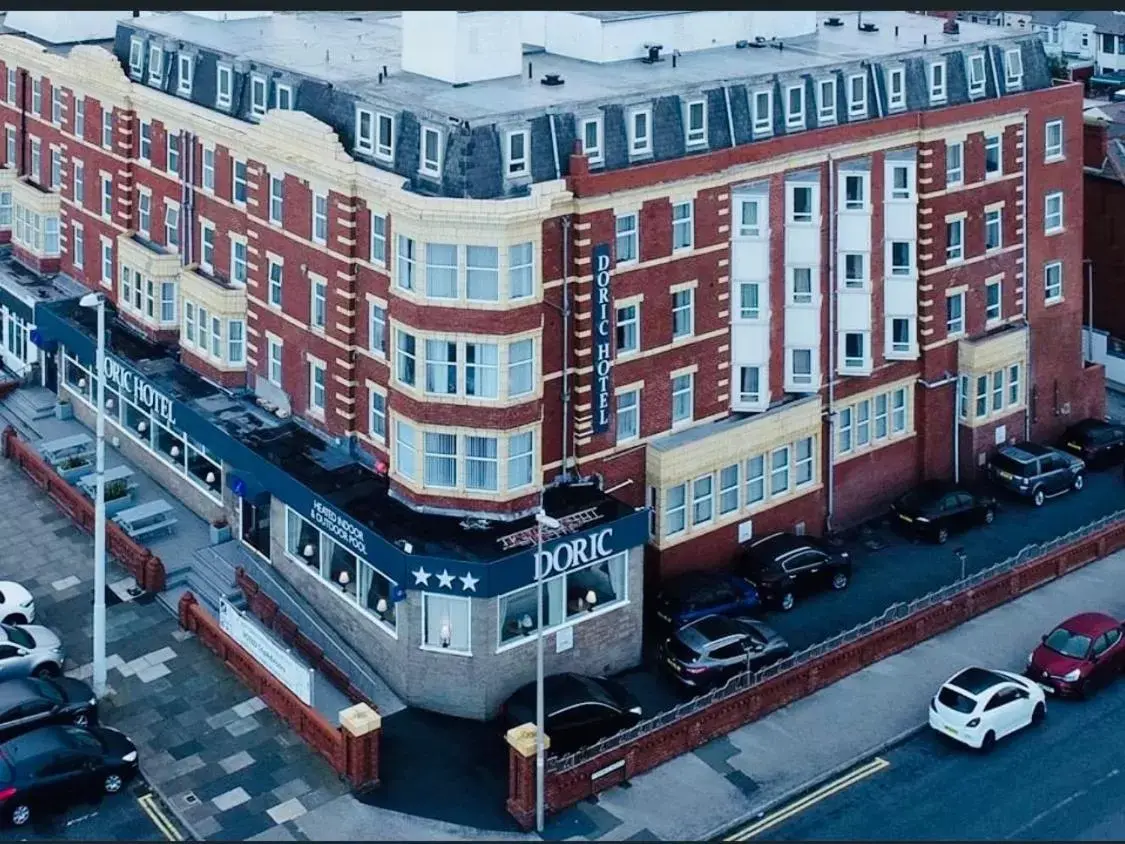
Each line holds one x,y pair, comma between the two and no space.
1079,656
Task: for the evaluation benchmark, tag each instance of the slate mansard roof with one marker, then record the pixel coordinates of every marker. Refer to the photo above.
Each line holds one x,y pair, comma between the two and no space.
333,62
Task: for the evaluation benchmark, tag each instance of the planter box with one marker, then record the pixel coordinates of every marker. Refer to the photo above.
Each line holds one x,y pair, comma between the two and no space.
116,505
72,475
220,535
64,410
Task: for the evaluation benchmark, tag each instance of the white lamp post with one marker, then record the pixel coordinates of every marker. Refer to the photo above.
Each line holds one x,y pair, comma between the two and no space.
97,301
542,521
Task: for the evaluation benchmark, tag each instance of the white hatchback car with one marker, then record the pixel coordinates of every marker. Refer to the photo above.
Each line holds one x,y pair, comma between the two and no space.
978,706
17,606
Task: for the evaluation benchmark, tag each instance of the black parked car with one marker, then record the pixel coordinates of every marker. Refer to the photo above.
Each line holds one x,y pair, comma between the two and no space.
710,650
935,509
52,767
31,702
1096,441
1036,472
579,710
783,566
690,596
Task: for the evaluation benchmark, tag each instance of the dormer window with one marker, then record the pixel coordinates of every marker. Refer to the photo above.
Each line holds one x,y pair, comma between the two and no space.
283,97
857,96
155,65
795,107
136,56
640,132
896,89
224,86
937,82
695,123
1013,68
430,164
186,69
592,139
516,154
826,101
976,75
763,112
258,89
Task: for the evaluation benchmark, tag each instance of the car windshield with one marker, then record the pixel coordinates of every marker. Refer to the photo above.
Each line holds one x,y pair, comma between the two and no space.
1007,464
956,701
681,651
50,690
18,637
1064,642
81,738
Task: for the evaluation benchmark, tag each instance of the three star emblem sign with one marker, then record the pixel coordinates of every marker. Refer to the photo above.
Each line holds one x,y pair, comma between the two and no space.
445,579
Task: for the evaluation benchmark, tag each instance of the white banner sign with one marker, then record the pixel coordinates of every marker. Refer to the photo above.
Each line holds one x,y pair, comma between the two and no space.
297,676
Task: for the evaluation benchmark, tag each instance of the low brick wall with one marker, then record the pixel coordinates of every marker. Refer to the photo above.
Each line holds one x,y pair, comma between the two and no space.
354,757
566,787
267,611
145,567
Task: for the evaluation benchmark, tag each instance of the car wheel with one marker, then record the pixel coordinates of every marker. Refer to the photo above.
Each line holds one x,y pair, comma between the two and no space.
1038,714
1079,482
1037,498
989,516
20,814
839,580
15,618
44,672
112,783
82,719
942,535
989,742
787,601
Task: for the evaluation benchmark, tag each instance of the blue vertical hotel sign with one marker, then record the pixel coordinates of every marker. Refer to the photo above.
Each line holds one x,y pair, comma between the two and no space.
603,339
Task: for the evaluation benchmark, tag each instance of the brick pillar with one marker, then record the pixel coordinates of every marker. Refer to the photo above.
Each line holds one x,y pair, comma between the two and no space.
362,727
152,573
187,601
521,773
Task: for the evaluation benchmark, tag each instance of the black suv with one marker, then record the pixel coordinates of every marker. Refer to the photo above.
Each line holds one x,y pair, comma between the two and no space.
1096,441
783,565
1035,471
935,509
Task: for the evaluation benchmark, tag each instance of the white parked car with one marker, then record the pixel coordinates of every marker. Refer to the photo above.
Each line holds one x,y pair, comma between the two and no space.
17,606
978,706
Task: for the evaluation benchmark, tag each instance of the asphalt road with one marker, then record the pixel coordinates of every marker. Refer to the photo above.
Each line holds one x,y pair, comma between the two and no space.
131,815
1062,781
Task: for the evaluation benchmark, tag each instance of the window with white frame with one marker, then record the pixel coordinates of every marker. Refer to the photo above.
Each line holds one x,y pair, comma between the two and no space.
628,415
521,459
937,82
441,367
826,101
627,328
208,169
779,471
258,92
6,210
216,336
683,402
55,180
862,423
964,392
172,225
795,107
206,246
992,300
56,105
702,500
107,262
800,285
441,271
1013,68
144,214
755,480
1052,281
640,132
406,265
277,199
981,403
35,168
37,96
955,313
316,387
318,305
902,261
447,623
896,89
364,130
155,65
204,328
1053,213
224,86
236,341
516,154
238,182
13,91
404,450
749,300
273,361
482,369
954,163
186,67
107,197
993,156
238,261
683,225
900,182
800,203
592,140
78,245
954,240
378,247
763,113
376,415
855,270
172,154
628,238
431,152
855,350
521,270
801,366
145,151
274,278
439,459
521,368
189,318
855,192
901,336
377,330
1013,384
10,147
136,57
749,217
1053,140
728,489
79,116
283,97
320,218
857,95
482,273
683,313
976,75
695,123
750,384
993,229
997,390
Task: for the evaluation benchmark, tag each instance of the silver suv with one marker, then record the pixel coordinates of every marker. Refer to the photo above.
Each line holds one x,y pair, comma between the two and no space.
1036,471
29,650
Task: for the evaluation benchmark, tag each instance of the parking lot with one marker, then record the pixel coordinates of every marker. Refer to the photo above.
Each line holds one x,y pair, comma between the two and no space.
133,815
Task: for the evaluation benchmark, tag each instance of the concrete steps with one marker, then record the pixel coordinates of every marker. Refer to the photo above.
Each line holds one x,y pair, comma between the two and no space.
208,576
30,404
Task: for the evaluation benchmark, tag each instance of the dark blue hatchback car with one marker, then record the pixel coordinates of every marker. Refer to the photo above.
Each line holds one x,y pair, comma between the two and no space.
691,596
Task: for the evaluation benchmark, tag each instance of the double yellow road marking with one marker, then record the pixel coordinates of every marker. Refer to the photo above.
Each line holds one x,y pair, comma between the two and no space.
809,800
156,814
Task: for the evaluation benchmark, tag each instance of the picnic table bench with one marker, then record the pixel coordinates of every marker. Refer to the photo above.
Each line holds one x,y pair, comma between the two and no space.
88,484
76,445
147,518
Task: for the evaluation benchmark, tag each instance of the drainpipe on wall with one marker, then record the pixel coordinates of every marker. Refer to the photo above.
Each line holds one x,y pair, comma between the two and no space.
21,155
564,473
187,181
831,410
1026,295
1089,264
